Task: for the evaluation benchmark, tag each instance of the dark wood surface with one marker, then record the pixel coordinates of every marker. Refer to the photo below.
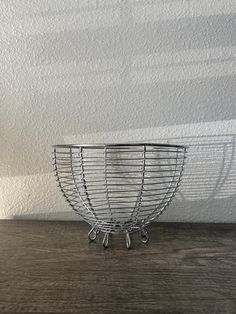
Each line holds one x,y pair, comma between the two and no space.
50,267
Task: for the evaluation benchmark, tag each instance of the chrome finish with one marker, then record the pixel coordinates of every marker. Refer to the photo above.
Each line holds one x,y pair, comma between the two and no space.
92,235
127,240
144,237
105,241
119,187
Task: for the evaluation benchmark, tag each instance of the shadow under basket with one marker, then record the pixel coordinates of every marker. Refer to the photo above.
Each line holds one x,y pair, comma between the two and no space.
119,188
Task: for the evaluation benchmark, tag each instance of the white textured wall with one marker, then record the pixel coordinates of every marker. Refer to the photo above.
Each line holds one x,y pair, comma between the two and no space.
112,70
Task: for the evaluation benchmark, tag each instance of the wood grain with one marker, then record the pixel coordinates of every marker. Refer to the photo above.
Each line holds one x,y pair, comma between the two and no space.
50,267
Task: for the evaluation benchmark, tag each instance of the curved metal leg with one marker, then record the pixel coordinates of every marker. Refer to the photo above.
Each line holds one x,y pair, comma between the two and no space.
127,240
105,241
144,237
92,235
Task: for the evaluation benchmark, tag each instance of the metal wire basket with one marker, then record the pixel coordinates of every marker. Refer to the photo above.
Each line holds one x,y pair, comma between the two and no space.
119,187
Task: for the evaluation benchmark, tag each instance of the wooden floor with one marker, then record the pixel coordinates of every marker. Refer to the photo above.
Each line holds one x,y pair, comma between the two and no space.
50,267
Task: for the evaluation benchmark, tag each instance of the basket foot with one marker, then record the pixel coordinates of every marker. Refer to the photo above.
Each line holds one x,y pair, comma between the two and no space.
92,235
127,240
144,236
105,241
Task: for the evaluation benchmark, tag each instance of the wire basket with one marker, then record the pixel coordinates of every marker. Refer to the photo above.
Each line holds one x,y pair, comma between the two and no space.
119,187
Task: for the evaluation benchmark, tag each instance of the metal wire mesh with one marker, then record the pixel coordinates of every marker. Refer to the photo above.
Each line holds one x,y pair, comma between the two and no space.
119,187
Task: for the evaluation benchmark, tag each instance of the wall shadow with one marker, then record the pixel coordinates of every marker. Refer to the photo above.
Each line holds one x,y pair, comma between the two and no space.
208,189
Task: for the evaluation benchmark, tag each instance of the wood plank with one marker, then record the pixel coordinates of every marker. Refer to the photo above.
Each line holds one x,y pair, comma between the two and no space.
50,267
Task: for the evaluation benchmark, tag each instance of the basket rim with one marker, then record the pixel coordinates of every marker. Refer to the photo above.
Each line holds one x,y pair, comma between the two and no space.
105,145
